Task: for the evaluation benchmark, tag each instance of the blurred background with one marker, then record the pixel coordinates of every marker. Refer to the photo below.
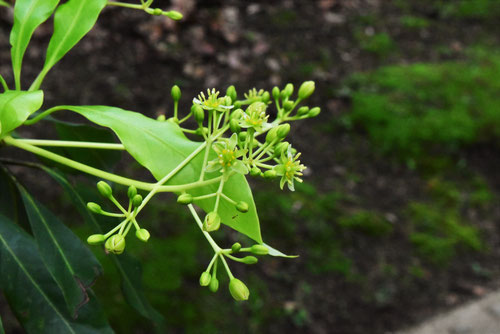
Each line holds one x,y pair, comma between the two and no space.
397,218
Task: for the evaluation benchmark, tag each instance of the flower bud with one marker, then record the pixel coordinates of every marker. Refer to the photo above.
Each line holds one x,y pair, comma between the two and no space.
185,199
211,222
161,118
306,89
283,130
173,120
227,101
198,113
236,247
234,125
259,250
237,114
205,278
115,244
176,93
173,14
96,239
137,200
242,206
250,260
142,234
94,207
214,284
242,136
104,189
238,290
302,111
231,92
314,112
276,93
132,191
271,134
288,105
265,97
269,174
288,91
237,104
280,148
255,171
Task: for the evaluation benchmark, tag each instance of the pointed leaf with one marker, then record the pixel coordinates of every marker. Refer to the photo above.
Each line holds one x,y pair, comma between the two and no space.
128,267
161,146
70,262
72,21
11,203
32,293
275,252
15,108
28,15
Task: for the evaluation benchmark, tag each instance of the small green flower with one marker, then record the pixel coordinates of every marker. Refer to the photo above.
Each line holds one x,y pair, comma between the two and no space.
212,101
255,117
289,169
227,156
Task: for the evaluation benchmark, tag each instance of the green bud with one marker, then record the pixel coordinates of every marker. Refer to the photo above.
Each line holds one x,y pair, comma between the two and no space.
142,234
227,101
161,118
185,199
269,174
288,91
115,244
314,112
201,131
231,92
173,14
250,260
293,150
255,171
283,130
198,113
234,125
280,148
242,206
211,222
137,200
271,134
205,278
157,12
237,104
176,93
242,136
276,93
237,114
96,239
306,89
132,191
238,290
104,189
173,120
302,111
288,105
214,284
236,247
94,207
259,250
266,97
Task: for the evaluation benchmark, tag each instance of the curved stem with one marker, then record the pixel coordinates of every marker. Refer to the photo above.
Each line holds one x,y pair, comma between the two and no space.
44,114
77,144
4,83
211,241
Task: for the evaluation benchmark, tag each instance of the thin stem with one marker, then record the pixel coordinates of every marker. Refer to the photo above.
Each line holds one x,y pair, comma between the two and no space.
229,273
211,241
116,228
176,109
219,192
228,199
110,214
4,83
44,114
185,118
212,262
67,143
204,196
126,5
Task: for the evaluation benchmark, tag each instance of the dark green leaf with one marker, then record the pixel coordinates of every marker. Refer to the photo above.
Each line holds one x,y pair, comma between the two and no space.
11,203
70,262
72,21
15,108
32,293
128,267
160,147
28,15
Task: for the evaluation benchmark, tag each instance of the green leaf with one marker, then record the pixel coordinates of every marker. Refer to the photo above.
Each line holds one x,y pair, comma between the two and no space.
11,203
70,262
5,4
128,267
161,146
15,108
32,293
275,252
72,21
28,15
